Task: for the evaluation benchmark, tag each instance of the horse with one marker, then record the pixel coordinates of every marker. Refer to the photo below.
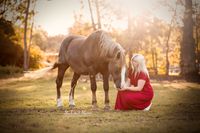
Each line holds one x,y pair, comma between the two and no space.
91,55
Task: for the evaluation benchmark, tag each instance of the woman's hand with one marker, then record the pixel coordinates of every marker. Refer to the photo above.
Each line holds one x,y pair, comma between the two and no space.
122,89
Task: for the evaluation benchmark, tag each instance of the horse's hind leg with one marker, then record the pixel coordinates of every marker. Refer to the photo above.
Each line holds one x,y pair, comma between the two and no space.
93,88
73,85
59,80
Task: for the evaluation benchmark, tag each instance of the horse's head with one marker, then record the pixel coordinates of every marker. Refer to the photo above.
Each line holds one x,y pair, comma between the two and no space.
117,68
115,54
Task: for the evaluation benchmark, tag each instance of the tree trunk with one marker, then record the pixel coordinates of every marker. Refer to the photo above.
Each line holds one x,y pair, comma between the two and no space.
129,31
30,43
167,42
188,64
91,14
156,63
31,35
197,29
98,14
153,55
25,36
167,49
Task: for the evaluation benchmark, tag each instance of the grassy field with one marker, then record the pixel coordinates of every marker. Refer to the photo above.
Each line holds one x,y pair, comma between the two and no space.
29,105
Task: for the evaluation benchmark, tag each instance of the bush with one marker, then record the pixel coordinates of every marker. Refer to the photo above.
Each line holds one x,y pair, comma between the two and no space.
10,51
36,57
10,70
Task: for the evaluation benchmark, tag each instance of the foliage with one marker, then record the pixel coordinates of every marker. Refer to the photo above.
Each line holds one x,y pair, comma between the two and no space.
10,70
149,38
36,57
12,38
47,43
7,27
188,61
80,27
54,42
11,49
40,39
11,52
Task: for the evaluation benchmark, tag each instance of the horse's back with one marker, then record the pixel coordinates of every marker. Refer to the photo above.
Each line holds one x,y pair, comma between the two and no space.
63,53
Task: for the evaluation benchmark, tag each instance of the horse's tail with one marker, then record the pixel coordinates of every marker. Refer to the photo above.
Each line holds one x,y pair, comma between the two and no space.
55,65
40,73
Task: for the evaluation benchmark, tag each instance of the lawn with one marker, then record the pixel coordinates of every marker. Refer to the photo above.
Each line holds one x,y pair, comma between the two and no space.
29,105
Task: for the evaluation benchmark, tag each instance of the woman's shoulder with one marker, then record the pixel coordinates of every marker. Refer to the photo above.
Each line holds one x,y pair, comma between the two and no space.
143,75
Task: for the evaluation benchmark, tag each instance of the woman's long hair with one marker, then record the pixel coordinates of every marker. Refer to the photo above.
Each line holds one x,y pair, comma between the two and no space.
141,65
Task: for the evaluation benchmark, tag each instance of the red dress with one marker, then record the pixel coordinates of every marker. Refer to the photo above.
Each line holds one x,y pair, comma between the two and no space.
138,100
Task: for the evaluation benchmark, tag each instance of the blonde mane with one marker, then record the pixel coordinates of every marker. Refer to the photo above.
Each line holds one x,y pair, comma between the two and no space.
108,46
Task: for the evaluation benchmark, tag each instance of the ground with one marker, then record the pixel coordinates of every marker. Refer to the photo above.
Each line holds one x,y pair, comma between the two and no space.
29,105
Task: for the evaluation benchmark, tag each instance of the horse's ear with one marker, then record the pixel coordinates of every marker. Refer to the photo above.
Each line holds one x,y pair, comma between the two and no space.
118,55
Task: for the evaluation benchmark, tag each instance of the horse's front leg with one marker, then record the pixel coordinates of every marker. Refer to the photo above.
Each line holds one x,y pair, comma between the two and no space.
73,85
106,90
59,80
93,88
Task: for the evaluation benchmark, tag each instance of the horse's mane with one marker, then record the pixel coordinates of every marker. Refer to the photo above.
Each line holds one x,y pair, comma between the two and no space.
108,46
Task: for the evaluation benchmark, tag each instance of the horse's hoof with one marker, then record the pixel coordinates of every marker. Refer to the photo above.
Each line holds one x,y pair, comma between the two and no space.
94,107
59,103
60,107
71,106
107,108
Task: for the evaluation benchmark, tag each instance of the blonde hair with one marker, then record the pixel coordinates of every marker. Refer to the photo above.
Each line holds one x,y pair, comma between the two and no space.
141,64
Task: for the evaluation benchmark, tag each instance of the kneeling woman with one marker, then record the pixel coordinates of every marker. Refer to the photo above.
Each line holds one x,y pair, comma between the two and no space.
139,93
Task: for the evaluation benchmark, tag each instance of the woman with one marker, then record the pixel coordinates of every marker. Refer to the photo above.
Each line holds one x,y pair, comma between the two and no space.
139,93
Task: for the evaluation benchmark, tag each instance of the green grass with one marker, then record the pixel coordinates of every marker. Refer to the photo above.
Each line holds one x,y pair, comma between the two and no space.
30,106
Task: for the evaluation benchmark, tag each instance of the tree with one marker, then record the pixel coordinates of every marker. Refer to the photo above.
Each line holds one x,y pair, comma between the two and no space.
25,12
9,45
91,14
188,62
167,41
98,14
25,36
8,8
31,33
12,33
40,39
197,31
101,10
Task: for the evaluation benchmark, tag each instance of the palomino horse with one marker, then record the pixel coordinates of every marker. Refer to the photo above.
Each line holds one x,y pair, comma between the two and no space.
90,55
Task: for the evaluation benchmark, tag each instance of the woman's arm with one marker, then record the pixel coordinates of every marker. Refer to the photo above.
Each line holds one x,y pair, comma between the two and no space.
127,84
139,87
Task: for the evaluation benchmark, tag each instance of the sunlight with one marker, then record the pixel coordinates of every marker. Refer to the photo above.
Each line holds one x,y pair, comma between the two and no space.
57,27
55,18
135,7
120,24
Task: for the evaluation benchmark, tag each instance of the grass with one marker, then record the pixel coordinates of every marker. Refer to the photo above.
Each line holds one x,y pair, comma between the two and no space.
28,105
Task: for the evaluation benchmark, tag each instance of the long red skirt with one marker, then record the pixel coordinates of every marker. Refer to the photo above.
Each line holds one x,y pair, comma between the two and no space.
129,100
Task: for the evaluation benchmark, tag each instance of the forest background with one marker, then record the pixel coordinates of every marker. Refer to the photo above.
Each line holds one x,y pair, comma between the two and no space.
170,43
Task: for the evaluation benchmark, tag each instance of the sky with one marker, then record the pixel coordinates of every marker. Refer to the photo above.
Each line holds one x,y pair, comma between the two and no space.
56,16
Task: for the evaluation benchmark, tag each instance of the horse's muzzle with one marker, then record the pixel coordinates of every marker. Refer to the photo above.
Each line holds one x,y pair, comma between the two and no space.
118,85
